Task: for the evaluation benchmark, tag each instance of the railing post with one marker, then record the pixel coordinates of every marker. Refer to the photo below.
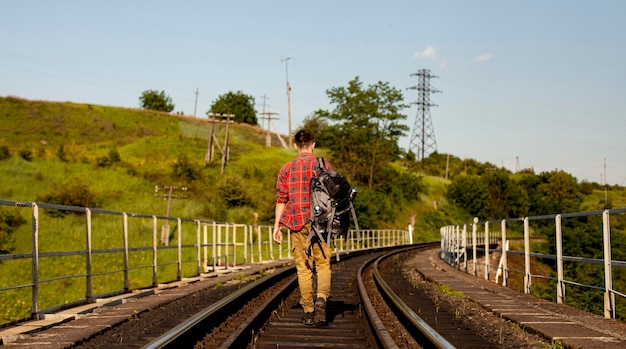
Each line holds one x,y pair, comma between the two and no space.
245,243
205,229
457,247
251,242
198,247
214,246
505,247
179,249
155,250
125,239
474,246
226,243
258,242
487,261
281,248
219,244
464,238
270,241
609,296
234,243
34,306
527,276
560,285
88,290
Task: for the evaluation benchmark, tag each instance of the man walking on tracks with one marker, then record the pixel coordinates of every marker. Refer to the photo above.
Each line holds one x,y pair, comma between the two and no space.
293,211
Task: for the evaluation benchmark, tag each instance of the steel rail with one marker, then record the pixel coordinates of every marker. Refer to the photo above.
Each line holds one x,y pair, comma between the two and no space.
180,335
381,335
418,323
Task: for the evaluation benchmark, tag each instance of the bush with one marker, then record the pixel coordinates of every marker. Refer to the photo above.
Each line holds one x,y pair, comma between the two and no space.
26,154
4,152
73,193
106,161
8,222
184,170
233,191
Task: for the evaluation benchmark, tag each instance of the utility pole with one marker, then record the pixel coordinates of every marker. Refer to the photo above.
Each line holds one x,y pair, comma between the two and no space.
286,61
267,116
606,195
196,103
423,136
165,231
209,155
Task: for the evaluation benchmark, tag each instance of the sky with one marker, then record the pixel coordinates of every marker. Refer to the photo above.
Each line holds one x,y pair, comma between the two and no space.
524,84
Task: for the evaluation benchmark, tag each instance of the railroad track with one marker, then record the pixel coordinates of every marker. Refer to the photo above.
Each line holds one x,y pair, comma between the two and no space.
272,318
368,308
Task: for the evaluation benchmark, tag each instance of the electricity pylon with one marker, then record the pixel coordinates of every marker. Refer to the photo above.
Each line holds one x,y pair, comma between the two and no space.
423,142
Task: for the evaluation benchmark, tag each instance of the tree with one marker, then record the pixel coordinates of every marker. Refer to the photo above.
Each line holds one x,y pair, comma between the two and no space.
154,100
238,104
470,194
365,128
560,192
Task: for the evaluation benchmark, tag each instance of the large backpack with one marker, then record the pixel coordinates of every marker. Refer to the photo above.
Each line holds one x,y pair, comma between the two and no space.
331,204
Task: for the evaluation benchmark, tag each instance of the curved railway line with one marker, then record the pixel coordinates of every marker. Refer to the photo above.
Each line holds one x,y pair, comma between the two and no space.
381,298
369,307
212,312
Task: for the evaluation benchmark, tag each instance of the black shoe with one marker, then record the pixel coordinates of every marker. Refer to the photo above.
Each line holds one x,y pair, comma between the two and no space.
320,312
308,318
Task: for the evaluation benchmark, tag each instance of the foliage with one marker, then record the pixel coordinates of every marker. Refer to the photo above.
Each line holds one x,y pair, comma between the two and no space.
184,171
155,100
560,192
366,124
496,194
317,125
26,154
8,223
72,193
238,104
4,152
582,238
233,191
470,194
112,157
61,153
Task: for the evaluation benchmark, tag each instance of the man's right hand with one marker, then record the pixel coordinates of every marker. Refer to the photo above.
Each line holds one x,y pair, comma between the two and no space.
278,236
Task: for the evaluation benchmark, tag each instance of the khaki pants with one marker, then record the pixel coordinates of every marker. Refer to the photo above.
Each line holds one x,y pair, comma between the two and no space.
320,261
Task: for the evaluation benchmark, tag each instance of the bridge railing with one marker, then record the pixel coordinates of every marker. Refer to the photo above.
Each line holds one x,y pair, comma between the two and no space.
468,247
76,255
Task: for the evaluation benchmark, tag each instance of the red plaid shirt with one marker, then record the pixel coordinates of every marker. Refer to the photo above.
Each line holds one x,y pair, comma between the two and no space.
292,189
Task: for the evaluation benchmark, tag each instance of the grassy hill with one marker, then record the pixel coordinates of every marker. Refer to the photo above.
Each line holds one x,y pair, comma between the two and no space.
120,155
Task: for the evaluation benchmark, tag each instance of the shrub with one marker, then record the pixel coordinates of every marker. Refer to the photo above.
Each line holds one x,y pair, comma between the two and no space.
106,161
8,222
26,154
72,193
184,170
233,191
4,152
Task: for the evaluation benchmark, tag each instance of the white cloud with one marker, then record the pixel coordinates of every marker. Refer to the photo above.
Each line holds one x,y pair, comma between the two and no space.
429,52
483,57
443,64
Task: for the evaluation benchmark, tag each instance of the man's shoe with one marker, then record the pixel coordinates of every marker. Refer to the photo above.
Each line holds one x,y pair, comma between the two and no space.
308,318
320,312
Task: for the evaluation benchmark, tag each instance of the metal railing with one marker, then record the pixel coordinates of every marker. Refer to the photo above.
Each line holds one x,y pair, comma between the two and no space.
80,254
461,248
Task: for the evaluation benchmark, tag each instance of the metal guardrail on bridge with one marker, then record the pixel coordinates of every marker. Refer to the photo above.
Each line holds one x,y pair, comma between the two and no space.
457,243
79,254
